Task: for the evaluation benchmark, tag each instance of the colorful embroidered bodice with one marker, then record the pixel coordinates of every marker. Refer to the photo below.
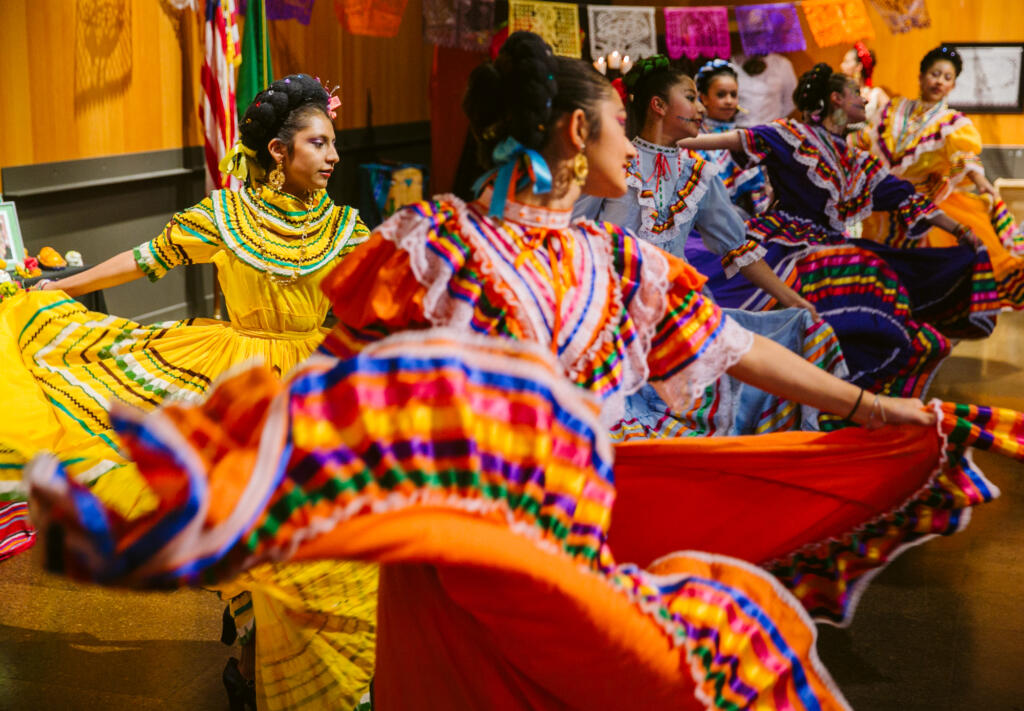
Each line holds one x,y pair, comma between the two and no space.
821,180
271,251
614,309
672,192
932,147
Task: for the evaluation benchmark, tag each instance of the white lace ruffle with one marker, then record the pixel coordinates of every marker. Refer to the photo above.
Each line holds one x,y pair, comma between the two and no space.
682,389
744,260
648,205
411,233
646,311
835,194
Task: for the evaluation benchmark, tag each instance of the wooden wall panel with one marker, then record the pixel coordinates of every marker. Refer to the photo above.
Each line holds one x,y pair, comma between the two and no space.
394,71
156,108
899,55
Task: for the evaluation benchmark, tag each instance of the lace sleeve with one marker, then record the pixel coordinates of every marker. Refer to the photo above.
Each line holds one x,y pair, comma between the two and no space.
694,343
724,349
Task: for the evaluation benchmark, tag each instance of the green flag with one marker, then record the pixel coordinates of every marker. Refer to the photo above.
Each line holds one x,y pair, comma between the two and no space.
256,72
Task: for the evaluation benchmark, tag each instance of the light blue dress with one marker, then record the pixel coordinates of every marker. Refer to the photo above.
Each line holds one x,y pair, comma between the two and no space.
674,196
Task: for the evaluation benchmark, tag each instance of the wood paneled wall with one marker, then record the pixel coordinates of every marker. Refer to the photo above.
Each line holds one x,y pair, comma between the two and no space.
46,116
899,55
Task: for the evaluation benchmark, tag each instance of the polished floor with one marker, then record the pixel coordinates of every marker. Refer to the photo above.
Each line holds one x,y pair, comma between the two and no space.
940,630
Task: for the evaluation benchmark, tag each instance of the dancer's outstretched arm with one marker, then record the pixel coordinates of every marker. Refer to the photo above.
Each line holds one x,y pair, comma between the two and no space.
778,371
729,140
761,275
119,269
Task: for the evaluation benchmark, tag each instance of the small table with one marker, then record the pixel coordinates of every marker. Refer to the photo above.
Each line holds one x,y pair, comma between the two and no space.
94,301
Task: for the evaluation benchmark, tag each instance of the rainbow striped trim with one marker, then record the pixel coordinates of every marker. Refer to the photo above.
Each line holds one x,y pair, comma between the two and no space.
829,577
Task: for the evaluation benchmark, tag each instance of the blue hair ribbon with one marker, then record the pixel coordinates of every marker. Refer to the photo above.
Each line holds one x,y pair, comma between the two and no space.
506,157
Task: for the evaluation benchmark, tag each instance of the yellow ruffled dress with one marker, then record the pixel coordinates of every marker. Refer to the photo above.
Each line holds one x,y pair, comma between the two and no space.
937,148
62,365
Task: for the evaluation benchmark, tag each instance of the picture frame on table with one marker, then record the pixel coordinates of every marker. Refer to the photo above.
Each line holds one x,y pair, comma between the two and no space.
992,80
12,247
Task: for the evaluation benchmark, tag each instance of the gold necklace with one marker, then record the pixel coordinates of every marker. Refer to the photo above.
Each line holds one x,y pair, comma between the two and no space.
289,279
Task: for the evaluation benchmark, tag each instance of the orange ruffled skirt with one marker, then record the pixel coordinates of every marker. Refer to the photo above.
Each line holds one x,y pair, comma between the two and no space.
481,482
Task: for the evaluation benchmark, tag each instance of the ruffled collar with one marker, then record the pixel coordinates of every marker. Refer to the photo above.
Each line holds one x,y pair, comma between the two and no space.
644,145
669,184
848,175
535,216
906,130
278,233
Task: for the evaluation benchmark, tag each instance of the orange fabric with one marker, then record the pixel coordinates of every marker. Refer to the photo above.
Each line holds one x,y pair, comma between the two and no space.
973,211
751,499
375,284
445,634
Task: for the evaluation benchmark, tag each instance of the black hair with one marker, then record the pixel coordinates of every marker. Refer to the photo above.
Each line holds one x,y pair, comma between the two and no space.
280,111
649,77
708,73
816,86
525,90
943,52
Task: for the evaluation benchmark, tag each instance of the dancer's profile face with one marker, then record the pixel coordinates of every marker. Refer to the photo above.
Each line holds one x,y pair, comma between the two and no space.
684,113
310,160
850,102
610,153
721,98
938,80
850,66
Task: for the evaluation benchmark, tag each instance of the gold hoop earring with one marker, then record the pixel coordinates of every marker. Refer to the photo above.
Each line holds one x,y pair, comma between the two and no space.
276,177
580,168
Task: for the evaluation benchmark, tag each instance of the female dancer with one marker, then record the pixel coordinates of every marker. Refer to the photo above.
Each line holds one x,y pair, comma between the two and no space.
273,243
475,469
859,64
670,192
890,307
936,148
718,88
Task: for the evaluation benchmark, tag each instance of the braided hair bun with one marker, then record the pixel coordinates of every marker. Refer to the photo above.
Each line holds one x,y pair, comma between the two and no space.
525,90
815,87
651,76
513,95
280,111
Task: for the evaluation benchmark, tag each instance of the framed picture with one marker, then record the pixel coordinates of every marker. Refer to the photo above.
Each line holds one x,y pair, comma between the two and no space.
992,80
12,249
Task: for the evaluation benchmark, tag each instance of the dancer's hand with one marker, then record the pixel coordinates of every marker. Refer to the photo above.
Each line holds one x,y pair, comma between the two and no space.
967,238
879,410
802,303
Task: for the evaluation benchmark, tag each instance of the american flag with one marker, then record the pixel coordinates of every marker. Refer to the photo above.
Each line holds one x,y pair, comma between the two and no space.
220,117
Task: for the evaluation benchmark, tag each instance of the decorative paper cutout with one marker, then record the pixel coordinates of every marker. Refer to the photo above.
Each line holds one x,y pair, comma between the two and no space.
103,49
903,15
837,21
557,22
290,10
463,24
375,18
697,31
769,28
630,30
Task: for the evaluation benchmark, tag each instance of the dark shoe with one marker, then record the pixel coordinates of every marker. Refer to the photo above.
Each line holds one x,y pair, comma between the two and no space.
241,691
